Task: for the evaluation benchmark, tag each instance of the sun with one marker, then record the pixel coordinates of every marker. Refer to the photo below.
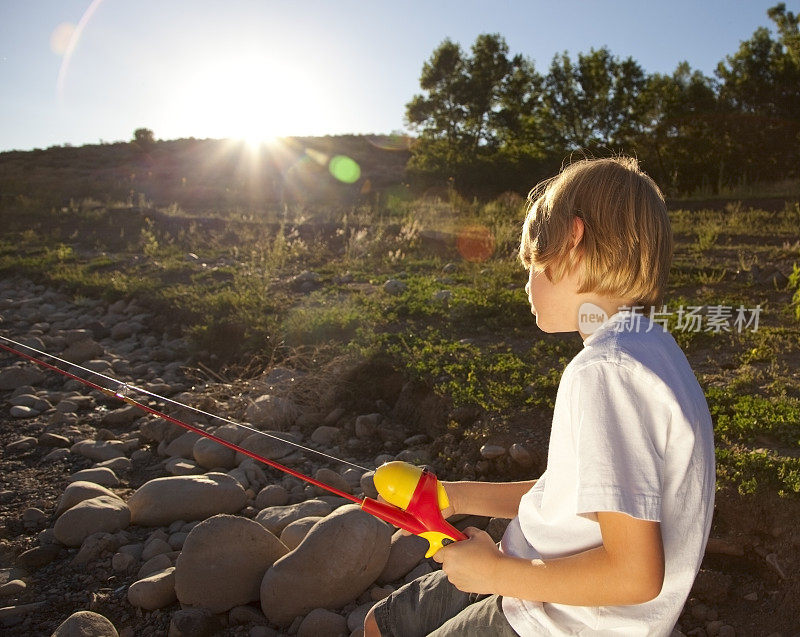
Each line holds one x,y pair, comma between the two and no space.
249,95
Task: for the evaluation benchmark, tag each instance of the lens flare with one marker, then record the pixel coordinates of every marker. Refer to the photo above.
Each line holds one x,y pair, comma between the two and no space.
344,169
60,37
475,243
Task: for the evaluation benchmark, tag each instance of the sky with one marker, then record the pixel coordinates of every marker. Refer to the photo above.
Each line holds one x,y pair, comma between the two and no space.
84,71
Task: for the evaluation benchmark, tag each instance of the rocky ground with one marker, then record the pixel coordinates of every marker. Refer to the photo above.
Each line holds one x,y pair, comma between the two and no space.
106,511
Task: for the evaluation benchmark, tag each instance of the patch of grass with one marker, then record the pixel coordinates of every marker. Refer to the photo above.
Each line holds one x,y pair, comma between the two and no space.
752,471
742,418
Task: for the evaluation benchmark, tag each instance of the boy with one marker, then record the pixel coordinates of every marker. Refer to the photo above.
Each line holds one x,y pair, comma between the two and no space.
610,538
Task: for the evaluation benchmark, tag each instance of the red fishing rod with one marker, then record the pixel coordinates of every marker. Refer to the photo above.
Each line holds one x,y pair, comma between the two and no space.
414,497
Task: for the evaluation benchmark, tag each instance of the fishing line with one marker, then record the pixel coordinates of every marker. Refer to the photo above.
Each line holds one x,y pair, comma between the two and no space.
123,387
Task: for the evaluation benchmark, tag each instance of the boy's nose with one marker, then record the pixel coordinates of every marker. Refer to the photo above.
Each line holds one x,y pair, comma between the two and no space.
528,288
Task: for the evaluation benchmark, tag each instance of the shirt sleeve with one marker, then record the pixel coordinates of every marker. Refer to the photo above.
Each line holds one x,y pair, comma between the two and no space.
619,428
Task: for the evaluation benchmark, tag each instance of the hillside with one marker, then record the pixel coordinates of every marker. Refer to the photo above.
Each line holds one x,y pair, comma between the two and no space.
206,174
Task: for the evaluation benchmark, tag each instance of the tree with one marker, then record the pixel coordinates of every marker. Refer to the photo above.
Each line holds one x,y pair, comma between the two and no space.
678,141
143,137
592,103
475,107
760,96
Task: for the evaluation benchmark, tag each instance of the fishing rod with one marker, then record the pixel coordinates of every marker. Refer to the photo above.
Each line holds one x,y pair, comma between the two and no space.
413,496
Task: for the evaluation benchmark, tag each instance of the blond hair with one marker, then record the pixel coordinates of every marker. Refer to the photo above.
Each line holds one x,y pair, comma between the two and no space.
627,240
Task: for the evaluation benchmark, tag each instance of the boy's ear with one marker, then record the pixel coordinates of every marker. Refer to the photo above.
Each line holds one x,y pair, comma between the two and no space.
577,231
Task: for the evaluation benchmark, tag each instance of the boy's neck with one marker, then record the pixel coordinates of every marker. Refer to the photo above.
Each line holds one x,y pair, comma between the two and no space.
608,306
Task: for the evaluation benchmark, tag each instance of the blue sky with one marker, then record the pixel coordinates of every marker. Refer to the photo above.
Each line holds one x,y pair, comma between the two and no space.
258,68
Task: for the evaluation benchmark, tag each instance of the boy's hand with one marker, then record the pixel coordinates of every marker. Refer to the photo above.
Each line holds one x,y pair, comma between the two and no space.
470,564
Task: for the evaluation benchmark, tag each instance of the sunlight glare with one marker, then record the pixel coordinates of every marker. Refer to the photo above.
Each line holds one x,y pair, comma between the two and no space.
248,96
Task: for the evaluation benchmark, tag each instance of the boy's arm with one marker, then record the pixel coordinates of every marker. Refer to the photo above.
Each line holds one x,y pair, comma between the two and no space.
492,499
627,569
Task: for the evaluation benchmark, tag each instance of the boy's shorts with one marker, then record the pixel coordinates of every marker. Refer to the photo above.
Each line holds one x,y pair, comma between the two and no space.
431,605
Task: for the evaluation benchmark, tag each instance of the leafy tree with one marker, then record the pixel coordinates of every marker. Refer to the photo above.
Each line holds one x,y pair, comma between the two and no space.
677,140
474,108
592,103
760,97
144,138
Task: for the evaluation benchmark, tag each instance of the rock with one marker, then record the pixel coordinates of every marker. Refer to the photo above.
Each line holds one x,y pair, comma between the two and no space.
272,495
405,553
246,615
53,440
223,562
182,467
98,450
367,424
20,411
394,287
490,452
193,622
266,446
368,485
102,513
56,455
262,631
520,455
38,556
122,416
80,491
82,351
323,622
272,412
162,501
155,591
123,562
85,623
33,517
12,588
21,445
159,429
294,533
275,519
183,445
115,464
336,480
212,455
102,476
154,547
154,565
13,615
13,377
96,546
324,435
356,617
339,559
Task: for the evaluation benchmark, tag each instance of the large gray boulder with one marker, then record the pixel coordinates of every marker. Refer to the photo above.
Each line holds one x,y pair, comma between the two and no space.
223,562
80,491
163,501
85,623
269,446
277,518
212,455
102,513
154,591
337,561
99,449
